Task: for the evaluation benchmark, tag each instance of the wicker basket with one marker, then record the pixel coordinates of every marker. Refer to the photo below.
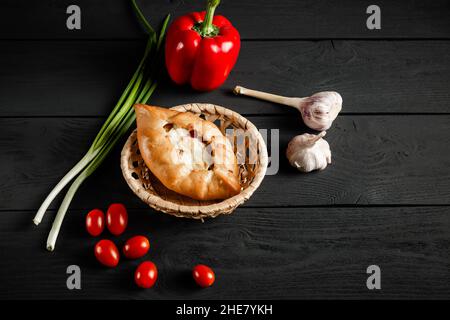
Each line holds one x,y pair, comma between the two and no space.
150,190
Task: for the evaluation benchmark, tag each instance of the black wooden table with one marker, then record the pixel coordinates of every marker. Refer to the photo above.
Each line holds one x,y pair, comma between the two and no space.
384,201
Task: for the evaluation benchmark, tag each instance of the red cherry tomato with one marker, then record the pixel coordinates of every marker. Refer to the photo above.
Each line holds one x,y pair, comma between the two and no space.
116,218
136,247
146,274
203,275
107,253
95,222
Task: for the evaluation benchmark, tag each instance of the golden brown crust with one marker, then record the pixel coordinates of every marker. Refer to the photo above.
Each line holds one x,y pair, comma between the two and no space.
187,154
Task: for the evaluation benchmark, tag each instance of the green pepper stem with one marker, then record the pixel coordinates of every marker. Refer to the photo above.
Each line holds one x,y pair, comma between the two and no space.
207,25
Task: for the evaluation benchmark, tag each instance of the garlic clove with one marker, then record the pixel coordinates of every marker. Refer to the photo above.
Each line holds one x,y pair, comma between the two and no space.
309,152
321,109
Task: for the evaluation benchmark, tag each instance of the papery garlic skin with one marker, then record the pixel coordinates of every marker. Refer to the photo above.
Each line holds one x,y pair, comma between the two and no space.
319,110
309,152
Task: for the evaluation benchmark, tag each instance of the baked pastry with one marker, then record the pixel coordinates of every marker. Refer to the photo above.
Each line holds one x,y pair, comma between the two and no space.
187,154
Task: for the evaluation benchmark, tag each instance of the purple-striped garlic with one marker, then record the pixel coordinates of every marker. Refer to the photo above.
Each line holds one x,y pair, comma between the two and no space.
318,111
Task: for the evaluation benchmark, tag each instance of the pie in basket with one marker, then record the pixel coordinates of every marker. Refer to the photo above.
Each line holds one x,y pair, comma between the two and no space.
187,154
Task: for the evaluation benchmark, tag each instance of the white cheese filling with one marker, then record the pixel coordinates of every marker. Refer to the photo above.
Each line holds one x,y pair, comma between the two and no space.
190,151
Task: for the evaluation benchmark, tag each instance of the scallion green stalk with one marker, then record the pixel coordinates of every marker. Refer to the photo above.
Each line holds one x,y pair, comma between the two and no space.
94,149
127,122
138,90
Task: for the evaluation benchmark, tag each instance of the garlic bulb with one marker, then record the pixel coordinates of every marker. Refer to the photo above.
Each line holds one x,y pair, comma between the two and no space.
319,110
308,152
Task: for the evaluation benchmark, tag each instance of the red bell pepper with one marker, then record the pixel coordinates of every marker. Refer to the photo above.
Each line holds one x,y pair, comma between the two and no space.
201,49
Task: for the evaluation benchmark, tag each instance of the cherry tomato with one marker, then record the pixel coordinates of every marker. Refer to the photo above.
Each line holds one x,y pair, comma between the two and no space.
203,275
136,247
146,274
95,222
116,218
107,253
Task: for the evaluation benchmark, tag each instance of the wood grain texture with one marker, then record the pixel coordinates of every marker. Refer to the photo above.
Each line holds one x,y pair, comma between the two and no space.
262,19
385,199
256,254
84,78
377,160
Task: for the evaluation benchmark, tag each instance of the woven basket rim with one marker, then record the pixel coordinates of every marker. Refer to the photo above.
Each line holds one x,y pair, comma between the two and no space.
210,210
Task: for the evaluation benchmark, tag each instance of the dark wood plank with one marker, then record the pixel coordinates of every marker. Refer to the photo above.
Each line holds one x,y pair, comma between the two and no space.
84,78
377,160
254,19
65,78
256,253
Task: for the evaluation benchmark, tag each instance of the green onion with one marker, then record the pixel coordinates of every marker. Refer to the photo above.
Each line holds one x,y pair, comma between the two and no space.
139,90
